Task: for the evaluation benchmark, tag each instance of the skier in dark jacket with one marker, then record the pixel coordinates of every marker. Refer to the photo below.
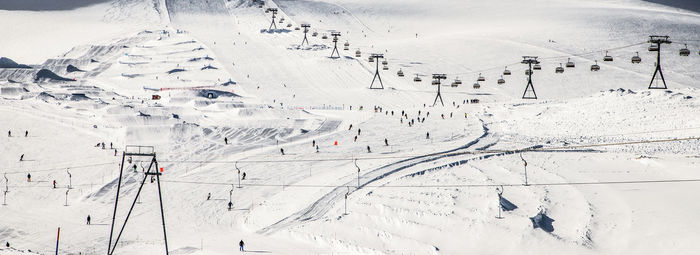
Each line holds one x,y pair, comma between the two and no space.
29,177
88,219
386,142
26,133
240,245
368,150
282,151
226,140
21,158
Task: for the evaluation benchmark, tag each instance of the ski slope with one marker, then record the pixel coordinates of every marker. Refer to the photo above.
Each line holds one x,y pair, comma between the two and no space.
611,163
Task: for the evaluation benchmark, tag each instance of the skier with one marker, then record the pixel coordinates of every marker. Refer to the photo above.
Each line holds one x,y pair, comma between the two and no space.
243,177
9,133
316,148
368,150
427,114
282,151
110,146
29,177
313,143
103,145
209,196
54,184
115,152
230,205
241,244
350,127
450,115
427,135
443,116
226,140
88,219
358,131
355,138
418,112
7,244
386,142
26,133
21,158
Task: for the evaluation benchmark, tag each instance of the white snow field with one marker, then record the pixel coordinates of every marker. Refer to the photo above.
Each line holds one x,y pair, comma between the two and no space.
612,167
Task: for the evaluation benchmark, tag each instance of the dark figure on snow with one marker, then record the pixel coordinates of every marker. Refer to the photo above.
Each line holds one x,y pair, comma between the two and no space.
386,142
29,177
9,133
115,152
209,196
7,244
226,140
358,131
313,143
368,150
427,135
230,205
26,133
54,184
355,138
243,176
21,158
88,219
241,244
282,151
316,148
427,114
350,127
103,146
110,146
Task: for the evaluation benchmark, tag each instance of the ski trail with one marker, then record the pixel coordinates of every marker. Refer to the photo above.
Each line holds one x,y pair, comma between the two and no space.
321,206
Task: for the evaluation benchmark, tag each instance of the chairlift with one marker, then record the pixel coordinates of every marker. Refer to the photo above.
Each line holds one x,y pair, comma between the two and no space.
476,85
384,62
296,28
506,72
346,46
417,79
607,57
314,34
457,82
595,67
371,59
400,73
501,80
481,78
653,47
559,69
435,82
636,59
685,51
527,72
324,36
385,68
289,24
537,67
570,64
281,20
358,53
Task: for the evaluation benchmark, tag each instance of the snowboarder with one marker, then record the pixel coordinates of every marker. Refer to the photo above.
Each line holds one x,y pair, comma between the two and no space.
427,135
88,219
368,150
226,140
54,184
209,196
21,158
29,177
241,244
26,133
282,151
386,142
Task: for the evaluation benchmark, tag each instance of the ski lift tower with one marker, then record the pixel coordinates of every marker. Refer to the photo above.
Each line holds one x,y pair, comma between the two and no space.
658,40
335,44
306,30
376,58
153,170
274,14
437,77
529,60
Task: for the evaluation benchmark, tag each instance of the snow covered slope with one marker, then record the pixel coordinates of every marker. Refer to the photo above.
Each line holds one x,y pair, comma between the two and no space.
333,167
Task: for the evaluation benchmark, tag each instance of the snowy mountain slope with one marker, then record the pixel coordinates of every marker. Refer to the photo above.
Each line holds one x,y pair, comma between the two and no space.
184,75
